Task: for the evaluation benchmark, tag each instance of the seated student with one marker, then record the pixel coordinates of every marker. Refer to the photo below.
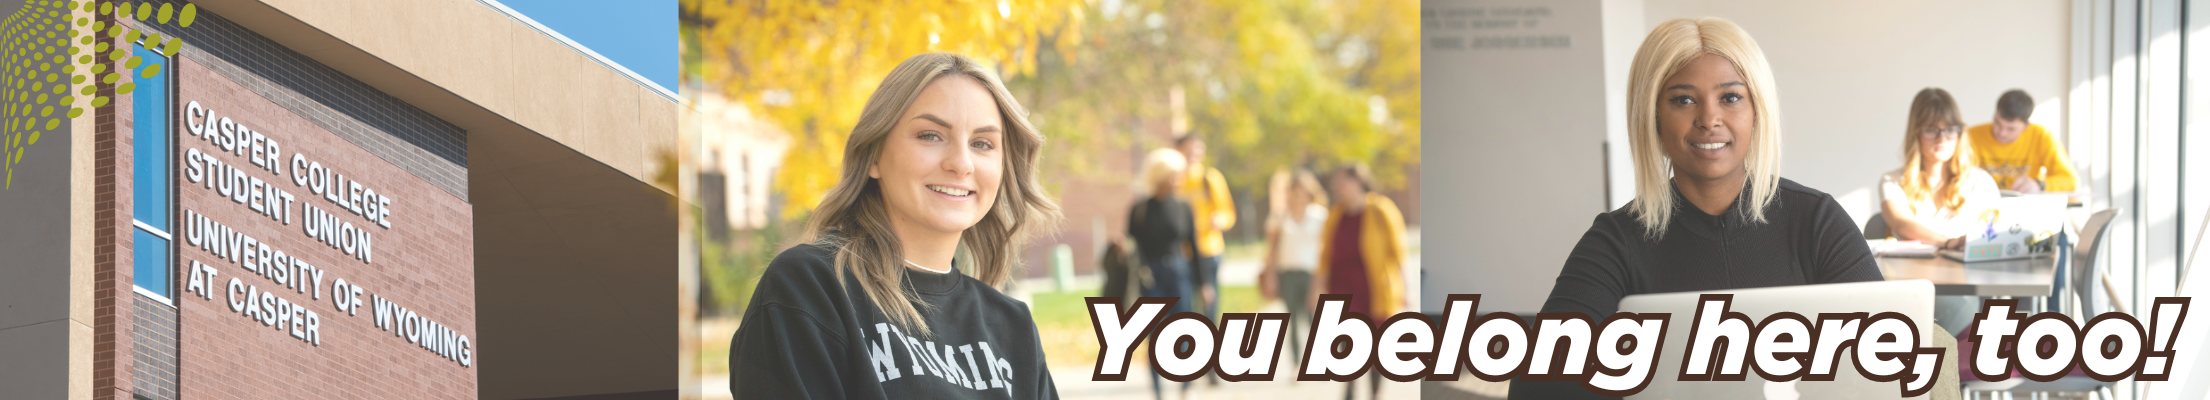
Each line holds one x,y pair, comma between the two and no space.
2022,156
1938,195
1711,211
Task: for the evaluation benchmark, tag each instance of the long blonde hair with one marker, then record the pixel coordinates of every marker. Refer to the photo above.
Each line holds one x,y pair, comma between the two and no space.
854,220
1668,48
1934,106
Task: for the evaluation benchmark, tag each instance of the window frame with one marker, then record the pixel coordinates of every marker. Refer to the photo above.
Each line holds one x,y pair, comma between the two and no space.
168,188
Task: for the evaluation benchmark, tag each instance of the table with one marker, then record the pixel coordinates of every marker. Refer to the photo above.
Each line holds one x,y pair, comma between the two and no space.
2028,277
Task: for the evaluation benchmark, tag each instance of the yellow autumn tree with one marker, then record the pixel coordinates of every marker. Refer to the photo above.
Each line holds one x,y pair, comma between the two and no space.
1270,83
809,66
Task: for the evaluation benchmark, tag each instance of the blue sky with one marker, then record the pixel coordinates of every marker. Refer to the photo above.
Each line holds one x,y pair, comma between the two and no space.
639,35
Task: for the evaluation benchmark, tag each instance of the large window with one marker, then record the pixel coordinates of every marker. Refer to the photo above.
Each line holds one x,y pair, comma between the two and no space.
153,192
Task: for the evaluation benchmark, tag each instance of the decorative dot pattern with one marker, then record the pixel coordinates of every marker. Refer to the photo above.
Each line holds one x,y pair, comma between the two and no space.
39,44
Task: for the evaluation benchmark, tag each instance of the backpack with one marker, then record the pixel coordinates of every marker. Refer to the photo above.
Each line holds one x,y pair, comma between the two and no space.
1125,275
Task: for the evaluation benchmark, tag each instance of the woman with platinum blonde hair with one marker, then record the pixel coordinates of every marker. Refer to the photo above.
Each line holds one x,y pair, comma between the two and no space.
898,295
1711,211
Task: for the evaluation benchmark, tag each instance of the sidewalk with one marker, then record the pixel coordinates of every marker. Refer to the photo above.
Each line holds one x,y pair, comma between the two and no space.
1076,385
1074,381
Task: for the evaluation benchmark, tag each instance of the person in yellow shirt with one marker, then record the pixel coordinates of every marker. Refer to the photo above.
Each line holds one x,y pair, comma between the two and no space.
1207,192
2024,157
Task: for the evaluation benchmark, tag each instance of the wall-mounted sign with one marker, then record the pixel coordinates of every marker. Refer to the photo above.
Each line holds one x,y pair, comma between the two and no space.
275,283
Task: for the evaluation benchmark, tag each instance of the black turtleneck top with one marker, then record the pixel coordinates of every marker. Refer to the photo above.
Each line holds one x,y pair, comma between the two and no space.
1806,239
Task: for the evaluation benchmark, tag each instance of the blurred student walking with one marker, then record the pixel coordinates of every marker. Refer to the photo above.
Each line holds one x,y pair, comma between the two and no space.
1166,238
1364,254
1293,232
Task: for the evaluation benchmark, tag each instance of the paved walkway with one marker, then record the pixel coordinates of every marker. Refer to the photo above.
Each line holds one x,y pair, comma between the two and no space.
1074,383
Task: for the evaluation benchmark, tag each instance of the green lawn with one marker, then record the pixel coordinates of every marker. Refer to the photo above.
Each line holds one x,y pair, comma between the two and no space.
713,346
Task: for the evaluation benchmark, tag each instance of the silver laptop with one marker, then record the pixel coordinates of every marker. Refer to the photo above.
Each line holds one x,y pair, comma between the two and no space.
1912,298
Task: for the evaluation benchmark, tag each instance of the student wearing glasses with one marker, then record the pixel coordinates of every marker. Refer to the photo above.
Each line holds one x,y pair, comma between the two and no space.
1938,196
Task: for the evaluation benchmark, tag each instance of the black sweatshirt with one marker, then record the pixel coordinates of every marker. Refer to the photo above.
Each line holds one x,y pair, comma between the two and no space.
1806,239
1166,234
805,336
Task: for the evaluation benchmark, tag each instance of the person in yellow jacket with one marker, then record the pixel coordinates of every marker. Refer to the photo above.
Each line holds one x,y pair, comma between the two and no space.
2024,157
1207,192
1362,251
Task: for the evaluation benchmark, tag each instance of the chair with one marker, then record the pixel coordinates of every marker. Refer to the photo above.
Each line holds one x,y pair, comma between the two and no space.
1877,227
2084,276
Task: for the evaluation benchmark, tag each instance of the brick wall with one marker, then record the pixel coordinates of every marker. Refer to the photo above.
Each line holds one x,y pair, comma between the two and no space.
154,346
393,130
200,347
425,262
111,311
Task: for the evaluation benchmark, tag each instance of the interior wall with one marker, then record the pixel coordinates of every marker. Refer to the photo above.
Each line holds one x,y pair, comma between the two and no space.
1516,117
1539,130
1846,73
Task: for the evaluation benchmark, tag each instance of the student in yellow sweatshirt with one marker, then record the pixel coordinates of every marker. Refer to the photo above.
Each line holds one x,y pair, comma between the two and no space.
1207,191
2023,157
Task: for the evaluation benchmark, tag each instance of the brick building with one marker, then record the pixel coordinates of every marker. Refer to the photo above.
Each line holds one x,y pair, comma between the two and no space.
419,199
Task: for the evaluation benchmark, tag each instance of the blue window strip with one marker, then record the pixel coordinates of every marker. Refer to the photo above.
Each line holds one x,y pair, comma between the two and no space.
152,188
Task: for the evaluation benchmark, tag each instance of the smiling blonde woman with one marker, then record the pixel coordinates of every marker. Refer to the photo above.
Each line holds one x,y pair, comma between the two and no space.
1710,210
898,295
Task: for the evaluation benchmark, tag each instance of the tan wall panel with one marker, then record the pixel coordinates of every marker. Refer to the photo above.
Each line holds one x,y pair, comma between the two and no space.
470,50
